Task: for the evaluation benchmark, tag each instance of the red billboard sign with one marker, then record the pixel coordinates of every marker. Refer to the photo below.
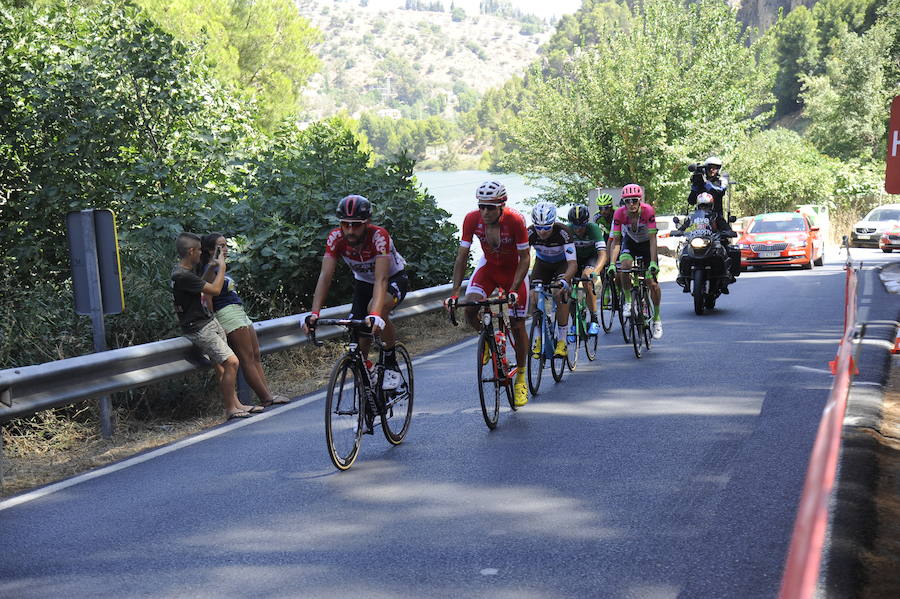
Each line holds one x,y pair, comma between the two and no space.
892,172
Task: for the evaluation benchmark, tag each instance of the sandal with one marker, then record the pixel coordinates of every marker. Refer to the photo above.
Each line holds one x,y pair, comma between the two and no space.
239,414
277,400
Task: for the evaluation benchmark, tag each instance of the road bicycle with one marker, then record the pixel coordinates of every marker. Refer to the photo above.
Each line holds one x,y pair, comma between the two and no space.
495,343
355,396
579,323
611,304
543,327
640,319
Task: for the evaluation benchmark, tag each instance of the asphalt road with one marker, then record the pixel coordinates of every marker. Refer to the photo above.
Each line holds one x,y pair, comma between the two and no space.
676,475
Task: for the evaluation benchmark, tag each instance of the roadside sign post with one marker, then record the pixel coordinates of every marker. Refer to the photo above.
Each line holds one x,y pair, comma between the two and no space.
892,163
96,279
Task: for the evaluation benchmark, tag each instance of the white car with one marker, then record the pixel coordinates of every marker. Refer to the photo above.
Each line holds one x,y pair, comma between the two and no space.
867,232
664,226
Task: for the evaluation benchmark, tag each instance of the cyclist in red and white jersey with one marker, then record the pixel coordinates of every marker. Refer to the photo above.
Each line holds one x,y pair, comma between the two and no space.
634,234
504,242
380,282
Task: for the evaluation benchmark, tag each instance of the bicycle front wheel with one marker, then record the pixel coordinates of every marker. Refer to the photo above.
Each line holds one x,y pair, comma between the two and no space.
344,410
488,380
557,363
572,347
634,321
535,362
647,313
590,341
608,302
398,403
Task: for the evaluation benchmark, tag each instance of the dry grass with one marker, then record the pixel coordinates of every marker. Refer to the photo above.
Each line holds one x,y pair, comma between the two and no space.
48,447
883,561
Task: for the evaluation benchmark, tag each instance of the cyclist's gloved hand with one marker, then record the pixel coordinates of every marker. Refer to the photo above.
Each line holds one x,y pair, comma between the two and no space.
451,301
653,269
513,297
564,283
611,269
376,321
309,322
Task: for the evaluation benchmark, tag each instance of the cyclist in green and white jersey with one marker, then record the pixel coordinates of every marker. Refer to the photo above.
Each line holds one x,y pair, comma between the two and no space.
590,252
604,215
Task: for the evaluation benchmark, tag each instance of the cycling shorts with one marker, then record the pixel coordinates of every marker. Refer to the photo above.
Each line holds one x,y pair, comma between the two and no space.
582,264
545,272
397,286
630,246
489,277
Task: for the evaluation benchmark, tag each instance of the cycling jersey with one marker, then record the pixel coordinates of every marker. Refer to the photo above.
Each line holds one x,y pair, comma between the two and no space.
587,246
361,258
558,247
513,237
639,231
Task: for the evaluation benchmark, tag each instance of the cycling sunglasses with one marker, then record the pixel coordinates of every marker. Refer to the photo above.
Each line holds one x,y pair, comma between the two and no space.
352,224
542,227
631,200
488,207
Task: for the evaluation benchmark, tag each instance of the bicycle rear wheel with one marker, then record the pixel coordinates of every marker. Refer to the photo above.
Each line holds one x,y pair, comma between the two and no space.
647,313
488,380
344,410
623,318
535,363
572,348
398,403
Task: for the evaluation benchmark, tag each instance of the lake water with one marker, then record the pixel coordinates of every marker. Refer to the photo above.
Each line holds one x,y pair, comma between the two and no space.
455,191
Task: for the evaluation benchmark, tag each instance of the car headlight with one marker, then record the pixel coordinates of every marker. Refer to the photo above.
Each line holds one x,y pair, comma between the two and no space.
798,245
699,243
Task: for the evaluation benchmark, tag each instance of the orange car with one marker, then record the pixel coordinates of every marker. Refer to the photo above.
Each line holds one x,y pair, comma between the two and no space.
781,239
890,240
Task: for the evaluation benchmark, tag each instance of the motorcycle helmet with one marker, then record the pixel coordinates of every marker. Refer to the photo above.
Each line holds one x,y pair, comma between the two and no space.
705,201
491,192
633,190
543,214
713,161
579,215
354,208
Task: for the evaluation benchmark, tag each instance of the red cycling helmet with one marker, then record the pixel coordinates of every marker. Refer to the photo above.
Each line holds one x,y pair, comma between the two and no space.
633,190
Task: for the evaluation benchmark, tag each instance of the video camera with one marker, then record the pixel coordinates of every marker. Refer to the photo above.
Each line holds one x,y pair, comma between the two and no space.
697,166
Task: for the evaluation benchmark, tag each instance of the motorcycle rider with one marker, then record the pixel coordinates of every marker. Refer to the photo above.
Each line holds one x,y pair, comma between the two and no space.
708,178
706,217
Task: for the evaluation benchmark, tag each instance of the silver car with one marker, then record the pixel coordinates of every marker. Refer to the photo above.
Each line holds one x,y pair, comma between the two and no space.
867,232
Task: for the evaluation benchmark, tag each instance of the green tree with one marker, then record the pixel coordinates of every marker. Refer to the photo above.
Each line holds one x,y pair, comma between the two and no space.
847,104
262,46
643,103
777,169
796,54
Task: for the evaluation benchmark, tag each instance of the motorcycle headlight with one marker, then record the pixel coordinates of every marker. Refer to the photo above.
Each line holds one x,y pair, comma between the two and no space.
699,243
743,246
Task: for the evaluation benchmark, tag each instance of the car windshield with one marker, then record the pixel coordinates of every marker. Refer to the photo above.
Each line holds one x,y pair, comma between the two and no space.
879,215
777,226
662,225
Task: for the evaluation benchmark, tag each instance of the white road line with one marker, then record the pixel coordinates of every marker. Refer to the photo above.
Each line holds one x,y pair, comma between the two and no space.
210,434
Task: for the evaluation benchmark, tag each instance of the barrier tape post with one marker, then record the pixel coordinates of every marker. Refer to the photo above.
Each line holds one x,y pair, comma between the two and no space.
801,572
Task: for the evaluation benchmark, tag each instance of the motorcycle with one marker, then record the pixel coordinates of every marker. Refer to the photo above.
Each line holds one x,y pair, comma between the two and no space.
704,264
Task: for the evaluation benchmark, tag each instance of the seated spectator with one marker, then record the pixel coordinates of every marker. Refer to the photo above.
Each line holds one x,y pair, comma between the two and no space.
229,311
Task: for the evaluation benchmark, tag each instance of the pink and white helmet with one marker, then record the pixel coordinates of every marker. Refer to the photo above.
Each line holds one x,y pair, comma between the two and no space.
633,190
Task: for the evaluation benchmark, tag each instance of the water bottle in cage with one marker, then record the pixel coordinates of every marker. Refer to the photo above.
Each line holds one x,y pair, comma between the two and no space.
500,339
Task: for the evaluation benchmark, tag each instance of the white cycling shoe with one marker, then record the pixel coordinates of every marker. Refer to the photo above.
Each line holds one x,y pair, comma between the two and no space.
391,380
656,329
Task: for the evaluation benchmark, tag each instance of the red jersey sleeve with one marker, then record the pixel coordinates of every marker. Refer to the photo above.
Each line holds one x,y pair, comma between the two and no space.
381,239
468,228
333,243
651,218
520,232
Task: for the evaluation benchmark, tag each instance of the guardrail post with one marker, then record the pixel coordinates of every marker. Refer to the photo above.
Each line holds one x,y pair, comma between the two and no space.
99,327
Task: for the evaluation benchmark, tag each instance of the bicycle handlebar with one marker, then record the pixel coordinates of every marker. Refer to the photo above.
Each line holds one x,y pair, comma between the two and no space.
454,304
350,323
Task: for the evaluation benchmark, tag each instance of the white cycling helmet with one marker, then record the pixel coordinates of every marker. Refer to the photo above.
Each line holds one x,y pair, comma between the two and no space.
543,214
491,192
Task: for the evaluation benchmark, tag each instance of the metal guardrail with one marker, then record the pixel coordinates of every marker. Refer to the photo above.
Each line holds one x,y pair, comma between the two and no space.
30,389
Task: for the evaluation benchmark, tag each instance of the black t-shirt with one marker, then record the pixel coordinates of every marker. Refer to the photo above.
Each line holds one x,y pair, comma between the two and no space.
186,291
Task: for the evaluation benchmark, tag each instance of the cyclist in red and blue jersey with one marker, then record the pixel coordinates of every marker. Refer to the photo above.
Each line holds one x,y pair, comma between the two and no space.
555,261
504,242
634,234
379,277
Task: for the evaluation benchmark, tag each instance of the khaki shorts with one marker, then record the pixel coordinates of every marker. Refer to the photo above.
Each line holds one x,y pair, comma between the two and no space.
232,317
212,342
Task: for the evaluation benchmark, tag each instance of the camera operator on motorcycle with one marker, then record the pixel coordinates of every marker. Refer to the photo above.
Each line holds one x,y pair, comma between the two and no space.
707,177
705,217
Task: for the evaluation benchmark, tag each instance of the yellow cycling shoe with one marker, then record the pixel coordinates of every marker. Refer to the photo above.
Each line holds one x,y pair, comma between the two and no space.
560,349
536,350
486,354
520,390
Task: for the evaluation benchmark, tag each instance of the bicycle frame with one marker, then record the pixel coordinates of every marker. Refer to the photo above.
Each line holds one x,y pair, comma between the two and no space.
548,332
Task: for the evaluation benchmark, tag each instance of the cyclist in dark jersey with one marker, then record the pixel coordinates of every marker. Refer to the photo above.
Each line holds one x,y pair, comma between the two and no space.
554,261
590,251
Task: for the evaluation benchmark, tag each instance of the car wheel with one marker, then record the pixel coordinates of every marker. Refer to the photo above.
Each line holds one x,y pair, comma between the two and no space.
887,250
821,260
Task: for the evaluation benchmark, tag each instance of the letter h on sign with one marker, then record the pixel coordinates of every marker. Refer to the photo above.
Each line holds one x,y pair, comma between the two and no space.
892,169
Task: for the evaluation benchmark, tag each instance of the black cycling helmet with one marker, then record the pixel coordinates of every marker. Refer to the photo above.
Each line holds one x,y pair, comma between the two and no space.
579,215
354,208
